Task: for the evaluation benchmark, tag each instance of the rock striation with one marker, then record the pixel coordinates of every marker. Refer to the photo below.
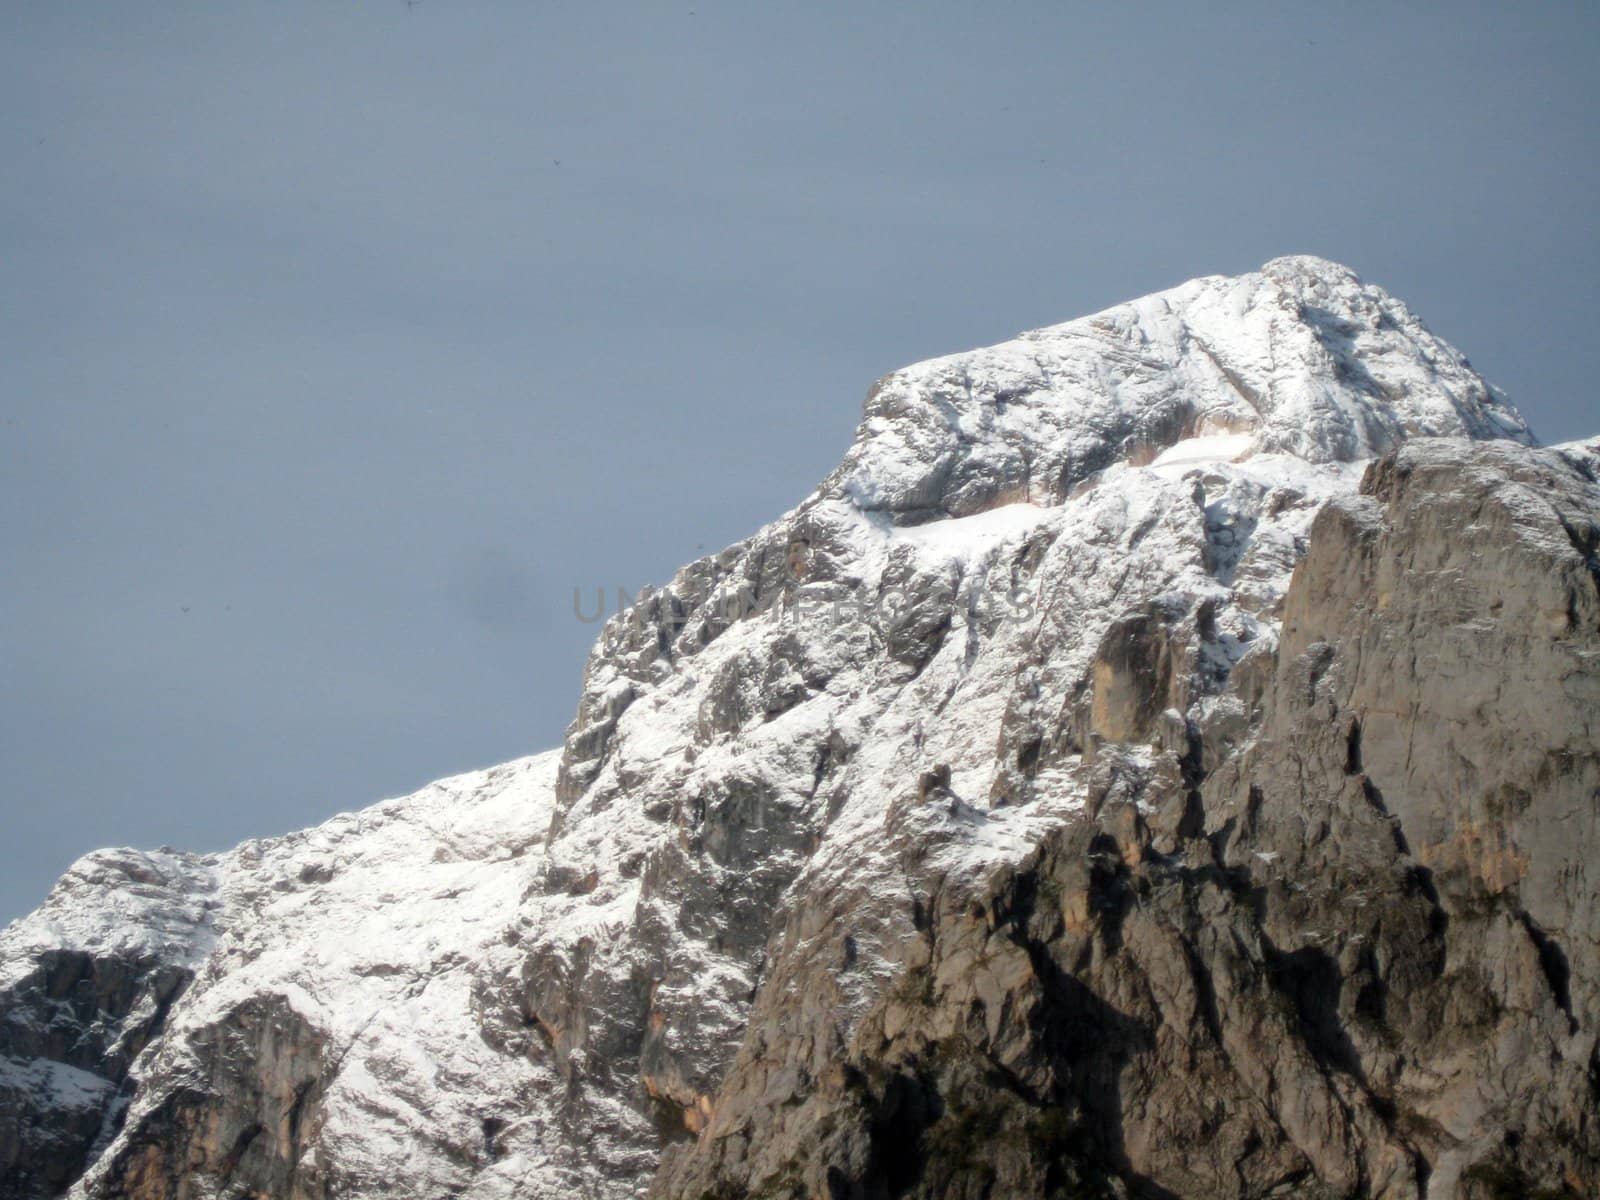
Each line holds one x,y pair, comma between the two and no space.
1160,761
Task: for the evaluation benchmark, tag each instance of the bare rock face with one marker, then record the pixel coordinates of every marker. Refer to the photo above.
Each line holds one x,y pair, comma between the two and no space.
250,1131
1370,972
1133,674
1159,762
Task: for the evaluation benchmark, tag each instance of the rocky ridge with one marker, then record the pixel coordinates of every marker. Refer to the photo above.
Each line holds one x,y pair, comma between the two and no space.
1159,761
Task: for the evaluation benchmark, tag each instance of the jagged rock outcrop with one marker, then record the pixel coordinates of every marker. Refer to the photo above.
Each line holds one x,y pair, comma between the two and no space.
1319,989
77,1011
333,1024
1159,761
233,1130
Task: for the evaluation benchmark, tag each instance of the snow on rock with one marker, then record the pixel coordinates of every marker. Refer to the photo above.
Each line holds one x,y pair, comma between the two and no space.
153,903
377,929
63,1086
526,981
1302,355
1210,448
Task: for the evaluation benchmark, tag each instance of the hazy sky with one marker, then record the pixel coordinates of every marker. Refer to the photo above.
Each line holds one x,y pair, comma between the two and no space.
339,342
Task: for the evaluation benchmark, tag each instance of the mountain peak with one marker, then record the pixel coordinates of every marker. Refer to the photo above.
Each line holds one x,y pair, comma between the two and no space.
1097,693
1308,266
1300,357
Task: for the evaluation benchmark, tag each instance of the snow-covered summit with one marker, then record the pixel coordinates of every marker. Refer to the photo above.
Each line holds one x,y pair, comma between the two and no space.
1302,356
525,982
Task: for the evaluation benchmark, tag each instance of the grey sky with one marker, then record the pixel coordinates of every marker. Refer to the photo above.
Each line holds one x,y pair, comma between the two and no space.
338,342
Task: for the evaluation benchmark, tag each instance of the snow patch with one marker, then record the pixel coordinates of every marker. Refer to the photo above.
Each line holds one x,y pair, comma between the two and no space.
1197,451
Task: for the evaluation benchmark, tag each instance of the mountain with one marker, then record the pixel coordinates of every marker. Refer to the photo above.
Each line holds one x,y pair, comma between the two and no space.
1159,761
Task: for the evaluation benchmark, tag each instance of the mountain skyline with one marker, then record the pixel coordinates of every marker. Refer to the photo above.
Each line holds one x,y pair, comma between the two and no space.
343,342
1275,787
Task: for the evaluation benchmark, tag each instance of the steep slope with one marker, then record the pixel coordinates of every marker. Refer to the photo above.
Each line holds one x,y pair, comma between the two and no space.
327,1031
1332,935
992,823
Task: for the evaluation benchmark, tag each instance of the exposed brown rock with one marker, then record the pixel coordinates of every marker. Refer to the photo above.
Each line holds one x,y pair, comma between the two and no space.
246,1125
1372,973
